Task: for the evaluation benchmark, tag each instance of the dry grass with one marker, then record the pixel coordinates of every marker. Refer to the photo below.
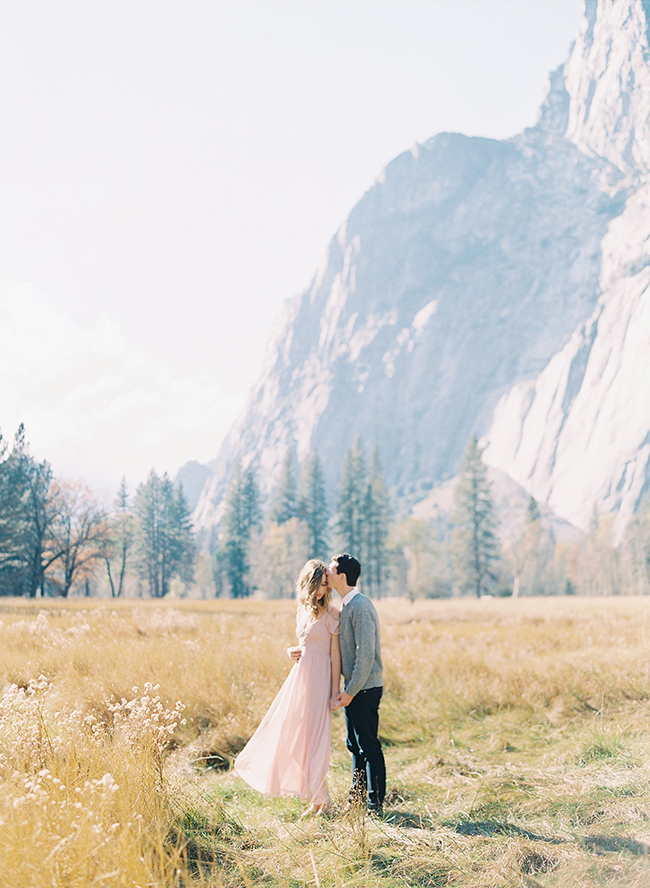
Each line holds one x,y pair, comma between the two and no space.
516,733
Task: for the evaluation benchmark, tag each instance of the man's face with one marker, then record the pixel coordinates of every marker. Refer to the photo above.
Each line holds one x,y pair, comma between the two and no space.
334,577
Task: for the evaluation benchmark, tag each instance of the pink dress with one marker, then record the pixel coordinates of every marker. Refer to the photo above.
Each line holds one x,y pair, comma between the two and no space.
289,753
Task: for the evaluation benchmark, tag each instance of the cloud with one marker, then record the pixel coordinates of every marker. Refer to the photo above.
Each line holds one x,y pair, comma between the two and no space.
93,404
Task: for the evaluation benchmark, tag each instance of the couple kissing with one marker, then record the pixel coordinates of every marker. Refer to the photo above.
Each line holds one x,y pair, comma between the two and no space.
289,753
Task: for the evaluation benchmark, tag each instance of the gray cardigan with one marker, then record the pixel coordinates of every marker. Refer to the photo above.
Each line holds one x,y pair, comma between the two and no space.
360,646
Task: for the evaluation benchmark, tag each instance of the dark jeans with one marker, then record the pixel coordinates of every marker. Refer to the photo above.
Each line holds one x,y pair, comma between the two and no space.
368,768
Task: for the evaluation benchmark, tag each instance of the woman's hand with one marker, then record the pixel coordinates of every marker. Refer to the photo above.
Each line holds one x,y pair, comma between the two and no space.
294,653
343,699
334,702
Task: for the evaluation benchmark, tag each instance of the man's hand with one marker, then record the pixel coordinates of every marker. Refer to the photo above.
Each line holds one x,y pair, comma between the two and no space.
343,699
294,653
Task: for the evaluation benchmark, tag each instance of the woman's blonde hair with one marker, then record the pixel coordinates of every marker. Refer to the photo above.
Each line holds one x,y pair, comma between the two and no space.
309,584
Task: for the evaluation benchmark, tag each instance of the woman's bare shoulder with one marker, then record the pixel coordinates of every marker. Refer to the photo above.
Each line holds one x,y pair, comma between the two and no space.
334,611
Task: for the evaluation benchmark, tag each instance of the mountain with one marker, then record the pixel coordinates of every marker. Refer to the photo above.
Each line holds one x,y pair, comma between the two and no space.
577,436
192,477
485,286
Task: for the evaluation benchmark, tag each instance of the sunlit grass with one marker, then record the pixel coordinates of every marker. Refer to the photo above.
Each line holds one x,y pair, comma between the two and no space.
517,738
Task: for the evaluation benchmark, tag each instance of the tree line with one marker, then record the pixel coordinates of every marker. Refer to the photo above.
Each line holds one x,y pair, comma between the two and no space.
467,554
253,551
56,537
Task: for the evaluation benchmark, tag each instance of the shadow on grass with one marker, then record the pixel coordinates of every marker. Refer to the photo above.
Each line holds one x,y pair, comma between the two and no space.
500,828
408,820
616,844
599,844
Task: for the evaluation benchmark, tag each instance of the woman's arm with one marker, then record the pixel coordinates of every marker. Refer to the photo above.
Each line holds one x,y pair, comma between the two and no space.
295,653
335,653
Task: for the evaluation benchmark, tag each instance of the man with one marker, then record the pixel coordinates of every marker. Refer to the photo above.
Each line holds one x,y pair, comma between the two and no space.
363,683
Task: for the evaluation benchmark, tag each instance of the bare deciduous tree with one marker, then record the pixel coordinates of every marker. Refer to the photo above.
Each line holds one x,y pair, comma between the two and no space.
79,536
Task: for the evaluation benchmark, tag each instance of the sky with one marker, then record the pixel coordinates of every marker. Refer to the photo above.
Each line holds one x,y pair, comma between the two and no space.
171,172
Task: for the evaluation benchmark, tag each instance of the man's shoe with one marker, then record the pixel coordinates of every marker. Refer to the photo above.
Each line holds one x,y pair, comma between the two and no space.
377,812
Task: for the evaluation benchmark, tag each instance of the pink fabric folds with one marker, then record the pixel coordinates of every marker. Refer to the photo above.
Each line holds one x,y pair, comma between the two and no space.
289,753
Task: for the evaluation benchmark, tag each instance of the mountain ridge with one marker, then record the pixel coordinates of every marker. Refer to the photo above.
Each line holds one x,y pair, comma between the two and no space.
462,277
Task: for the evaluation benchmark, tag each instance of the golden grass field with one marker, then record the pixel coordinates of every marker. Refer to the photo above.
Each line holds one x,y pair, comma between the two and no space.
517,740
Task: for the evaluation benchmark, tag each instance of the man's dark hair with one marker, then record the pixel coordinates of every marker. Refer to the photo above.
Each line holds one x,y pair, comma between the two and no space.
348,565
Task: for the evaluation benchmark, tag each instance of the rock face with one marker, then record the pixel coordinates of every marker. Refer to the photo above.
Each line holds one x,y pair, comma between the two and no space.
577,436
489,287
192,477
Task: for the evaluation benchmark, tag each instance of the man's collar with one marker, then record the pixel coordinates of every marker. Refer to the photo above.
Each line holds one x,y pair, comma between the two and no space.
350,595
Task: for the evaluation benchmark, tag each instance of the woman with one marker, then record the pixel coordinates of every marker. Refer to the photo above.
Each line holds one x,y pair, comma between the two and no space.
289,753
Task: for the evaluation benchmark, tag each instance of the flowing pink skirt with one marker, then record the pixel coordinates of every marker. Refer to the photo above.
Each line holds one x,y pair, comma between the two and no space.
289,753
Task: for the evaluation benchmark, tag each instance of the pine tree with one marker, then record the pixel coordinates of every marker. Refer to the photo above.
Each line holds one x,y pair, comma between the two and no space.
351,502
183,546
375,525
149,512
33,480
165,546
251,509
122,538
15,553
476,543
312,506
241,519
284,504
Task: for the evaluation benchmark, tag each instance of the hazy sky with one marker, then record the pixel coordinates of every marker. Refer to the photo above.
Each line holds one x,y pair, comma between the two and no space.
171,171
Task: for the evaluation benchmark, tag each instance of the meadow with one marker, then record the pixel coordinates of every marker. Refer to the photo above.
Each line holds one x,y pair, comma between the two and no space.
516,733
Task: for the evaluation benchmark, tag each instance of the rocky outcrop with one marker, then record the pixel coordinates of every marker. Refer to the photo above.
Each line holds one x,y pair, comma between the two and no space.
489,287
192,478
578,435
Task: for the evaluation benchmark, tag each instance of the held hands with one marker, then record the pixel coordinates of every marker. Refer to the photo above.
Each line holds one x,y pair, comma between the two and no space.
294,653
339,700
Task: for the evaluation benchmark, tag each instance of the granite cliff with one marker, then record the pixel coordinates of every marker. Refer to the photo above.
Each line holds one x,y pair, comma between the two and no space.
496,287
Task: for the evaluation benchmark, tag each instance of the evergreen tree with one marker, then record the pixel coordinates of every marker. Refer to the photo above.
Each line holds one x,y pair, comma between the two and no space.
42,514
165,546
149,515
375,525
284,504
476,543
15,553
183,545
33,484
352,501
122,533
242,517
312,506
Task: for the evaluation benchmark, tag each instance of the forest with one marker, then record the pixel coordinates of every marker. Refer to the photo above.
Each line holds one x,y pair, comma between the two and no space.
57,539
